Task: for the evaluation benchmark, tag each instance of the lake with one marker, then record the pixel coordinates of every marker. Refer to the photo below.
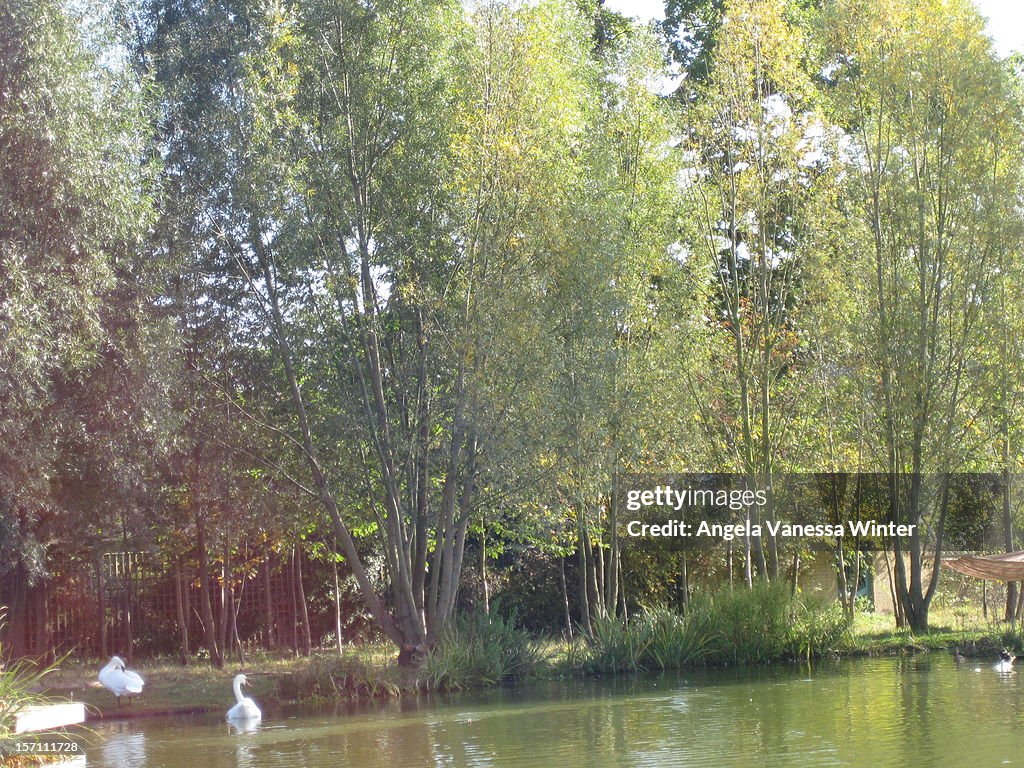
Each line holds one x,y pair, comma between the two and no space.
923,710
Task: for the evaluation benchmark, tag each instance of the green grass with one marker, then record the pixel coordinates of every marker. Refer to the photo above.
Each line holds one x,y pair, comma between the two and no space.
199,687
741,627
876,634
724,628
480,650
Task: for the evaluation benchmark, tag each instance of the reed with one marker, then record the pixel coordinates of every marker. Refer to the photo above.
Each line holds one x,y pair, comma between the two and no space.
479,650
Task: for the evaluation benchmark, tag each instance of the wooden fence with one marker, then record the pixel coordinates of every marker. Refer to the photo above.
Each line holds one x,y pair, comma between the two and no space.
136,603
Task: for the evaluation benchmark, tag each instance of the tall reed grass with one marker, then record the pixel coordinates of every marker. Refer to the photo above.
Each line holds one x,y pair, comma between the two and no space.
478,650
20,681
743,626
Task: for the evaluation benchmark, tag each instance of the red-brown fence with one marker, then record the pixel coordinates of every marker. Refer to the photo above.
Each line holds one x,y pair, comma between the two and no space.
136,603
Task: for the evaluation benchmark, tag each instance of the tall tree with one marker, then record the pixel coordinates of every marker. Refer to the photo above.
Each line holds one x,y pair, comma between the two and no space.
761,182
73,206
927,107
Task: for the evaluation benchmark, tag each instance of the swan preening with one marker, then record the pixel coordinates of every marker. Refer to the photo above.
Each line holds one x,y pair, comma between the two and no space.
245,708
1005,662
120,681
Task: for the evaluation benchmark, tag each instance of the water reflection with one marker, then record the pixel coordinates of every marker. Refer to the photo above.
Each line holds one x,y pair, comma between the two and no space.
913,711
248,725
124,746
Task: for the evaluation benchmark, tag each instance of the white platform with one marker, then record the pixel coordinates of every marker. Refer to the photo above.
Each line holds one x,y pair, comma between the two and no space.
48,717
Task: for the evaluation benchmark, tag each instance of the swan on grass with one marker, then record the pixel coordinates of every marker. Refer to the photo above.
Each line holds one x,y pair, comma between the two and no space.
245,708
120,681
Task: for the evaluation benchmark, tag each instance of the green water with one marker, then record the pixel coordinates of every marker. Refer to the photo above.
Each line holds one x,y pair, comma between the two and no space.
874,712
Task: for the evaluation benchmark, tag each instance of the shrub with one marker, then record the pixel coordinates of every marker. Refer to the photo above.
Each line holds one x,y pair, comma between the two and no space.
818,626
742,626
614,646
480,649
750,625
675,641
352,679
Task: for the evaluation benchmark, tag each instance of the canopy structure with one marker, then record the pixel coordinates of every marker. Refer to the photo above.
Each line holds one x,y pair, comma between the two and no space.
1008,567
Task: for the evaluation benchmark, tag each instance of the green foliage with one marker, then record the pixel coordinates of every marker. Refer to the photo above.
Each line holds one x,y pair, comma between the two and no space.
752,625
480,649
19,687
331,679
818,626
454,272
74,205
744,626
615,646
675,641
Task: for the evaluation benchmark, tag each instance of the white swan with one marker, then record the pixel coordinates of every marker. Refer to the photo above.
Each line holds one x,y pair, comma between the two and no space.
1005,663
245,708
120,681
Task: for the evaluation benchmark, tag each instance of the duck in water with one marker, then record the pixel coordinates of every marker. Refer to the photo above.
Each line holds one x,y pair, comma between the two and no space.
1005,663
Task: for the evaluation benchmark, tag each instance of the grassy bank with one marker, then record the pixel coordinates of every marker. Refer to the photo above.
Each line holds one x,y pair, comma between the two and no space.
743,627
364,672
874,635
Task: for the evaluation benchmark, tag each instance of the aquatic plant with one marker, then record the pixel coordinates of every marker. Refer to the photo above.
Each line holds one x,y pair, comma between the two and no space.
480,649
743,626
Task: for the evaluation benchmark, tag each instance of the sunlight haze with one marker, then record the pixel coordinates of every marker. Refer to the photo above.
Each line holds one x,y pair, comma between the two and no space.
1005,18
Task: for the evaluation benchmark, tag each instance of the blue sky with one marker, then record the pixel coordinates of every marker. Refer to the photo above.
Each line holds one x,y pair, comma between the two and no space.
1005,18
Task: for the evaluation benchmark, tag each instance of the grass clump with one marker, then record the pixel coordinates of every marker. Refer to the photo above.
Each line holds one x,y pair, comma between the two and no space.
479,650
745,626
20,683
346,679
675,641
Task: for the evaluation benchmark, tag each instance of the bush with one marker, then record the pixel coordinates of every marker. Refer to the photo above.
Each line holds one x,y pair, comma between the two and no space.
615,647
480,649
742,626
750,625
818,626
675,641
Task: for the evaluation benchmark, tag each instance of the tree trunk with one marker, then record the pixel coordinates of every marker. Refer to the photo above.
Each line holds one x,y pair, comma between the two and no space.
841,576
129,638
483,565
205,606
581,549
235,606
337,601
268,602
307,640
179,604
565,596
1011,587
224,623
686,584
593,592
101,599
611,580
294,605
